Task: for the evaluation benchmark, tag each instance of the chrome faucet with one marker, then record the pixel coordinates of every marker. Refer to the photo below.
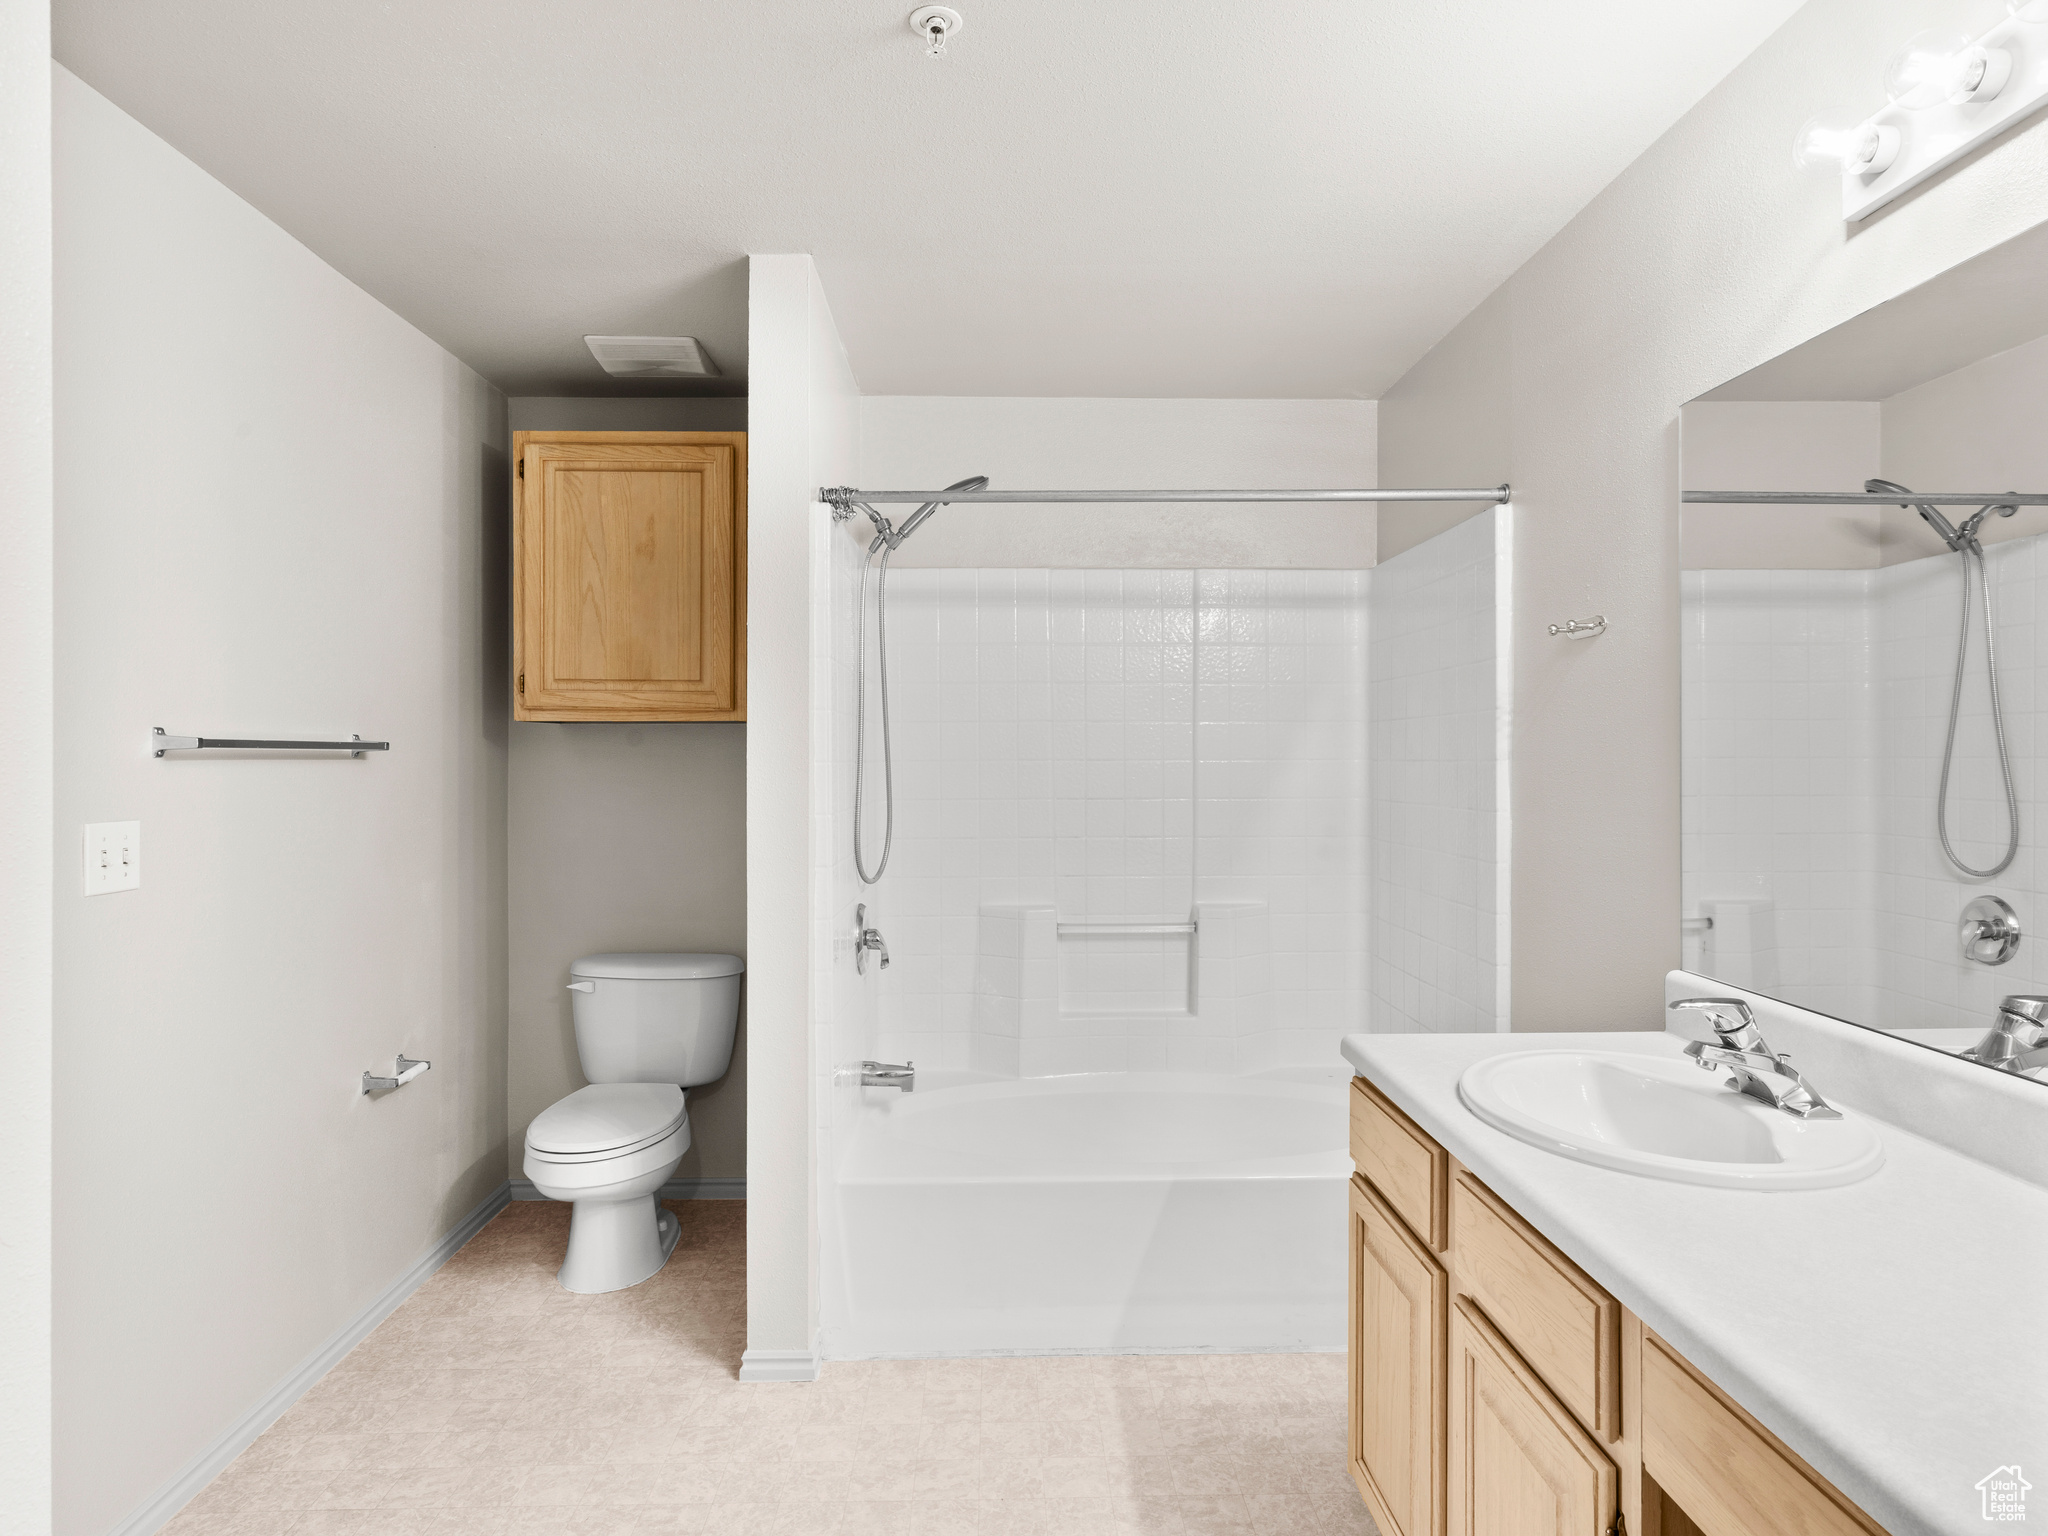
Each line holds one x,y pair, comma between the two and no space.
868,938
1760,1073
882,1074
2018,1041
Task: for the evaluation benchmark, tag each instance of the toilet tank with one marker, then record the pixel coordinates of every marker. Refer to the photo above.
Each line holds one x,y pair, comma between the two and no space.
655,1018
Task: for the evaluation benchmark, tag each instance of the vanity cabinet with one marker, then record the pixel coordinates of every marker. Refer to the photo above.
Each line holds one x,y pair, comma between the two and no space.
629,576
1499,1390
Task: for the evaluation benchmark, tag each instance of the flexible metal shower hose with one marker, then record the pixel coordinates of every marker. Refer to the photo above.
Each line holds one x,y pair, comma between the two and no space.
1955,706
860,716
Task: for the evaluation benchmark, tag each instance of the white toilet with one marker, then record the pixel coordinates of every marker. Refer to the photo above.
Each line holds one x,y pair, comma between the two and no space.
648,1026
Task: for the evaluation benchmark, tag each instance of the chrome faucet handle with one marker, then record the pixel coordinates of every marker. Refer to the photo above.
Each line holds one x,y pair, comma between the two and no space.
2029,1009
1760,1072
1742,1033
866,939
2018,1038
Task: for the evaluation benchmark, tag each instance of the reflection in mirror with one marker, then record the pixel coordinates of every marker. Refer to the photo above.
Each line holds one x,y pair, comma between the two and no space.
1865,687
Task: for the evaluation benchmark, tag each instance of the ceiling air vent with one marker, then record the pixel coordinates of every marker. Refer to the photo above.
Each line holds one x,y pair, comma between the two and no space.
652,357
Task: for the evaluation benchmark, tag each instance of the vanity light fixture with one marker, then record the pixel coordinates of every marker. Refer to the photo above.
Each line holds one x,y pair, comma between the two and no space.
1946,93
1945,69
1833,140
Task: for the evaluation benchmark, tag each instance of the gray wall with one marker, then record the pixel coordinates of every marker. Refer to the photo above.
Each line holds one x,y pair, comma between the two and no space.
280,513
26,895
1706,257
622,837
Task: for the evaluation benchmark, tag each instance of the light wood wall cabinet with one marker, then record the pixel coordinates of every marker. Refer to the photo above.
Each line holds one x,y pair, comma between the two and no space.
1498,1390
630,576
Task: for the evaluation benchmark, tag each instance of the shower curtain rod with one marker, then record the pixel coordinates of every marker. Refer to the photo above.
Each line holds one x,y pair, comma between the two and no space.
1876,498
844,498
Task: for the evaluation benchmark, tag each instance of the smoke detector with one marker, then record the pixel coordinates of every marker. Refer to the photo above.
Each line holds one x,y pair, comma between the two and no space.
652,357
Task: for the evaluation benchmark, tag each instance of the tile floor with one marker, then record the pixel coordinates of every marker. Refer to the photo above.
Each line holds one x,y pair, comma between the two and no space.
494,1403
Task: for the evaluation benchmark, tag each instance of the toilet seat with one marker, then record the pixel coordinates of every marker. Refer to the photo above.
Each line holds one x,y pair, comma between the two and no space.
605,1121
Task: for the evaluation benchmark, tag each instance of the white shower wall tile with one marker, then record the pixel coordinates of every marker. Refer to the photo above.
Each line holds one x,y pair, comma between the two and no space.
1438,828
1120,746
1779,747
1924,980
1816,705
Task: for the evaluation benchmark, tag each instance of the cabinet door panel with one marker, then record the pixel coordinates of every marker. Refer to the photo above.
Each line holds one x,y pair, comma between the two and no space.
1399,1297
631,574
1520,1465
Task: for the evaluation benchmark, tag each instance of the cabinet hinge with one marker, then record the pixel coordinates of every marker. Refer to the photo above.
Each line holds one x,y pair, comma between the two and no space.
1620,1526
522,469
522,689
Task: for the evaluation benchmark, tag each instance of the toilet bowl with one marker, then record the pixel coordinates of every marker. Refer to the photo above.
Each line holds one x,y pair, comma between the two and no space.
648,1026
607,1149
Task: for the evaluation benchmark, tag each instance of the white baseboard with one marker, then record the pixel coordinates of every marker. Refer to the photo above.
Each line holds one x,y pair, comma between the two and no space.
157,1511
674,1189
780,1365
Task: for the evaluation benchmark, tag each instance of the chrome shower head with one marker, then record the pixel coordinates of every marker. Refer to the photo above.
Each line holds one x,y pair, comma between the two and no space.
1950,534
909,525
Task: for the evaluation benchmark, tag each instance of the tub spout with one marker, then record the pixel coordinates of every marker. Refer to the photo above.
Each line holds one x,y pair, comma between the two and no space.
882,1074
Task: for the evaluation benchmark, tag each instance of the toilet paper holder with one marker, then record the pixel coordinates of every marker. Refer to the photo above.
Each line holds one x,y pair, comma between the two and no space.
408,1069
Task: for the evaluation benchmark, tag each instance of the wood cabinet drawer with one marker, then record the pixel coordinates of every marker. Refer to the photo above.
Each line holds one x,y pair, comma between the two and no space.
1729,1474
1566,1327
1400,1160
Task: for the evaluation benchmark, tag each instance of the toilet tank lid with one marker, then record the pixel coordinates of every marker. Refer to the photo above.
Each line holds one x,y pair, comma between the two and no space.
641,966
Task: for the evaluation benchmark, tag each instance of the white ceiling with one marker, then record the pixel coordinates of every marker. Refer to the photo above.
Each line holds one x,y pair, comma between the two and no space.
1165,198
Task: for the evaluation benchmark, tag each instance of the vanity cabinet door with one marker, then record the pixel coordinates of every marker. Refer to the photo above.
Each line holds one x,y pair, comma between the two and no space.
1520,1465
1399,1299
629,576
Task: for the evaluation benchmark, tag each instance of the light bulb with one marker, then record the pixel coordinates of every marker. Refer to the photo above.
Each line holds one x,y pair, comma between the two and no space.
2032,11
1836,140
1938,69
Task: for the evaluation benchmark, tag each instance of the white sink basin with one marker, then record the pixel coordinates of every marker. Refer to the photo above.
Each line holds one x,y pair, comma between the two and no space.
1665,1118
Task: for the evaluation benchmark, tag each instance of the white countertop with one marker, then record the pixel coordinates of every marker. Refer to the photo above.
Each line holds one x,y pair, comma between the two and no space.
1894,1332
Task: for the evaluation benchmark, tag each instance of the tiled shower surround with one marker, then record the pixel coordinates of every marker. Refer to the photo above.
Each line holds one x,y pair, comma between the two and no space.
1815,705
1141,747
1302,763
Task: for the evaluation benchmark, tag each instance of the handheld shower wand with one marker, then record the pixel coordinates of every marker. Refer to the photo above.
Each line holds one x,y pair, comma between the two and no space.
1963,542
888,538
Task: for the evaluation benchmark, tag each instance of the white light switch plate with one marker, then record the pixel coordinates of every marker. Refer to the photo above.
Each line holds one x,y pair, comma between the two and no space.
113,857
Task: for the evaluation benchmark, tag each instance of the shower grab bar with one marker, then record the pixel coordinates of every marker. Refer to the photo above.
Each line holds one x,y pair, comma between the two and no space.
160,743
843,498
1874,498
1123,927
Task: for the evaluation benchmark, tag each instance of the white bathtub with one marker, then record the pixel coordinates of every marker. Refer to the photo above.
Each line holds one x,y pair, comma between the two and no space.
1110,1211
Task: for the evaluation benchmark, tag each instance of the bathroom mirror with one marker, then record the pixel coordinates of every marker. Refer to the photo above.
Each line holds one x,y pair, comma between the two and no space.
1865,826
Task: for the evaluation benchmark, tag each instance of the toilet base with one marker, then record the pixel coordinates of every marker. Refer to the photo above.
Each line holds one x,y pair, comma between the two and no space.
614,1244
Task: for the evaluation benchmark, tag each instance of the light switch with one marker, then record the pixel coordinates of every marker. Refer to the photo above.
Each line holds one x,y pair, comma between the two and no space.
113,857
